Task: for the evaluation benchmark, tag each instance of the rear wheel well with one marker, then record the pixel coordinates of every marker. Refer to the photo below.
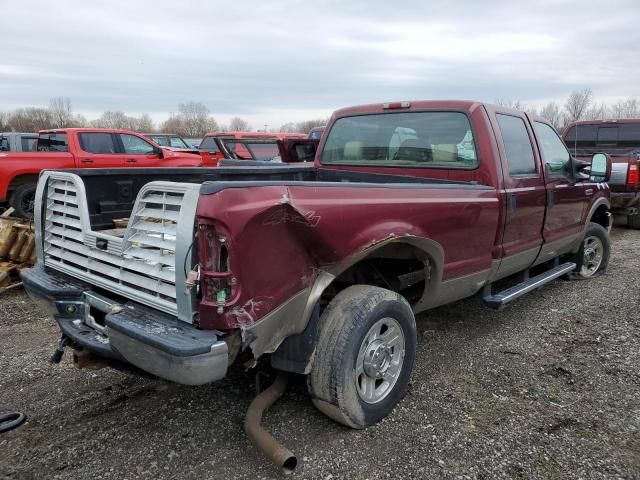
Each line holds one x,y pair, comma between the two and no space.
398,267
24,179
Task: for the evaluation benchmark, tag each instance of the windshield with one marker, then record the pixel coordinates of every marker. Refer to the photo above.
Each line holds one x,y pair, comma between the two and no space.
416,139
178,142
209,144
160,140
244,150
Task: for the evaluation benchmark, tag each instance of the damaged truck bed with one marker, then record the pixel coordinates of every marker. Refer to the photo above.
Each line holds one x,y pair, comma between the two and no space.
317,268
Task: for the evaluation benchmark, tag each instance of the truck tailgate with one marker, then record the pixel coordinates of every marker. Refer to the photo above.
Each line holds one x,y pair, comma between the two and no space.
139,265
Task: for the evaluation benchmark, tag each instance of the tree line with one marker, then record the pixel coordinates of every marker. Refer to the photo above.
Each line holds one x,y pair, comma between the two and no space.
580,105
192,120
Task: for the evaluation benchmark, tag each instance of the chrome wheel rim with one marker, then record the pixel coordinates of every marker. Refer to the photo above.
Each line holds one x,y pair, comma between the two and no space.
592,256
380,359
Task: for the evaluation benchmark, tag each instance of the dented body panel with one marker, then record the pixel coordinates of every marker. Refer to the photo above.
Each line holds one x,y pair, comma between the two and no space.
288,234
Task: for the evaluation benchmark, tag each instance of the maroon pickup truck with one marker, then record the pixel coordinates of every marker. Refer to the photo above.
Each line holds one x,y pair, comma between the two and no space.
621,140
318,268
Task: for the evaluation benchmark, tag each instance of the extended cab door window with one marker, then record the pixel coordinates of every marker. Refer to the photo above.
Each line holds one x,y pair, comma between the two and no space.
517,145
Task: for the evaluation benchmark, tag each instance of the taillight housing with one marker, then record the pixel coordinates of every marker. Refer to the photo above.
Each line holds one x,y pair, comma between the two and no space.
633,177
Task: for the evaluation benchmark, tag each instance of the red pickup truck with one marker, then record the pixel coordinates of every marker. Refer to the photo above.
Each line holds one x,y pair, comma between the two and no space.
212,152
621,140
320,268
79,148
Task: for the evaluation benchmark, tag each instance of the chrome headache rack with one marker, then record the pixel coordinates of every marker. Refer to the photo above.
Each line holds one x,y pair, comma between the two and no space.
144,264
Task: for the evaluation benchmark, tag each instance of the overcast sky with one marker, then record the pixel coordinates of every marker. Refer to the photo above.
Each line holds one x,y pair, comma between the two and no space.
278,61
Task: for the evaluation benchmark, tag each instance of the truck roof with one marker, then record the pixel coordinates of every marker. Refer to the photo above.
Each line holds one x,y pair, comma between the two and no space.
467,105
86,129
254,134
598,122
21,134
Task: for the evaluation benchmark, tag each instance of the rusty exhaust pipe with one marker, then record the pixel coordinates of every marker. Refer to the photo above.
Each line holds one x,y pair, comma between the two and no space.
277,453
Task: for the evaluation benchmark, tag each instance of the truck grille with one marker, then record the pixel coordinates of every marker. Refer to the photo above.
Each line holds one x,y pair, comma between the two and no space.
140,264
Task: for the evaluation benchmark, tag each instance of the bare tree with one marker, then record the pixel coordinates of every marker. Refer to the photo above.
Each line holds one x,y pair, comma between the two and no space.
30,119
628,108
5,124
306,125
110,119
551,111
597,112
577,104
173,124
288,128
81,121
515,104
61,112
238,124
119,120
196,119
145,124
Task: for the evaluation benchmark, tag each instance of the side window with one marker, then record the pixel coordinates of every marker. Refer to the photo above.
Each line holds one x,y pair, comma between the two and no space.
517,145
4,144
135,145
97,142
53,142
28,144
554,153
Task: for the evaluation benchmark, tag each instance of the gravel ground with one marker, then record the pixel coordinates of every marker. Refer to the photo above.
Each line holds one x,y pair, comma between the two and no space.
548,388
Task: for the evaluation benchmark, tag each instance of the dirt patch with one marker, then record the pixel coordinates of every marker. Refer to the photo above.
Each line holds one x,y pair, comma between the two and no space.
548,388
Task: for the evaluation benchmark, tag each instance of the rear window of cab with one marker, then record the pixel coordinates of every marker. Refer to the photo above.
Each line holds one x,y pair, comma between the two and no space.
411,139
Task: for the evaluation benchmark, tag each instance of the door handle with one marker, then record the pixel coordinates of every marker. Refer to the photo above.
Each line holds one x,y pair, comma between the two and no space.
131,160
86,160
511,202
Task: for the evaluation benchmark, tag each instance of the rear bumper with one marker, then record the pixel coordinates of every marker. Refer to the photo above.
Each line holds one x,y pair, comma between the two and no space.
128,332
